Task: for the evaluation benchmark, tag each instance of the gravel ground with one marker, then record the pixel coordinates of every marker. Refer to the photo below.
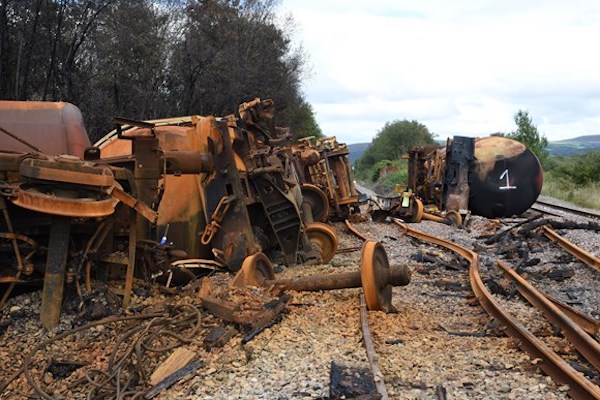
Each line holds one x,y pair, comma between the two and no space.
440,336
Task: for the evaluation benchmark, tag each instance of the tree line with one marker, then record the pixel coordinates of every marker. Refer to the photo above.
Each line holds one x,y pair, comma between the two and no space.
148,59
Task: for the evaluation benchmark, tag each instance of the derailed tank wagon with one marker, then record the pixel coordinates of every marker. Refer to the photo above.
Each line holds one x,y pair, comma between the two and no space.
211,191
62,214
250,202
491,177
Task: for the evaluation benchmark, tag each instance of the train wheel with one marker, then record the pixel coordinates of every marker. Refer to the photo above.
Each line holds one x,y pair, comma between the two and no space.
417,210
318,201
374,275
454,218
324,237
255,270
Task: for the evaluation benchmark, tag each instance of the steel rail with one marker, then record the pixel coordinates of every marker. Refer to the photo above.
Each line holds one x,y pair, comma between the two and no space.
585,321
355,231
561,372
370,349
584,213
584,343
546,212
588,259
367,338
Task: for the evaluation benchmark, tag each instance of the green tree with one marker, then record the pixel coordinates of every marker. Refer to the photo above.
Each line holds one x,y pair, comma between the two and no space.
391,142
527,133
301,120
149,59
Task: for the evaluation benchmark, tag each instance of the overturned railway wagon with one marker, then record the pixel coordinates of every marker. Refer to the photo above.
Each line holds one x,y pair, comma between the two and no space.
491,177
63,215
325,172
249,202
151,199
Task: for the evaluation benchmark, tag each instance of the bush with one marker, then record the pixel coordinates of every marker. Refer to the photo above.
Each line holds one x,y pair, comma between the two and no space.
391,142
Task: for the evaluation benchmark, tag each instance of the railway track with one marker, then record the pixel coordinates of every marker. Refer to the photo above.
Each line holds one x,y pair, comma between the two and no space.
576,326
547,206
440,341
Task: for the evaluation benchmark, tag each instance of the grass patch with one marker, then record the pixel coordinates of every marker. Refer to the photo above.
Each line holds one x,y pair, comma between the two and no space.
586,195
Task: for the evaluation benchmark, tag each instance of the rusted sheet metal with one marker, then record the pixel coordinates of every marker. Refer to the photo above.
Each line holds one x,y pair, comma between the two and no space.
506,178
55,128
52,196
325,165
181,206
244,199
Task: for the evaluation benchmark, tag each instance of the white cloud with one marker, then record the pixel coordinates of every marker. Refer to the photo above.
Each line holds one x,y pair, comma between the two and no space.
461,67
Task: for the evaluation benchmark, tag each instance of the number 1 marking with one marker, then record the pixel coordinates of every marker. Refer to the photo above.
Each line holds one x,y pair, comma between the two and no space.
508,186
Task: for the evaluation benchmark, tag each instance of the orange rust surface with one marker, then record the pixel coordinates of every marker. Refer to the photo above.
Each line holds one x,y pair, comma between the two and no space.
181,204
55,128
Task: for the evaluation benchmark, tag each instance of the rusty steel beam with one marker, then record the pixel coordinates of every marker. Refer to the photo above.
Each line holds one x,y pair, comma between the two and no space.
131,258
584,343
56,265
580,388
582,255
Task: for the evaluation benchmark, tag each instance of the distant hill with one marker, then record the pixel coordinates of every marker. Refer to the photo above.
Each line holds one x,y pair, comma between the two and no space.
568,147
578,145
356,150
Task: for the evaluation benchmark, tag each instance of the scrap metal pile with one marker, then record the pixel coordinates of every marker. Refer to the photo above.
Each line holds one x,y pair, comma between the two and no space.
160,200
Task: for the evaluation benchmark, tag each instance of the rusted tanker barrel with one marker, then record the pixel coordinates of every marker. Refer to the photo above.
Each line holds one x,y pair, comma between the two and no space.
53,127
505,179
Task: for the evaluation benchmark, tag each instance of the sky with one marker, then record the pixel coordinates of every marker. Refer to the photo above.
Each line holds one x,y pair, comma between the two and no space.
458,67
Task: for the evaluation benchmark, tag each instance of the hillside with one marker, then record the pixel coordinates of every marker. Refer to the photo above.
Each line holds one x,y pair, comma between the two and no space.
578,145
356,150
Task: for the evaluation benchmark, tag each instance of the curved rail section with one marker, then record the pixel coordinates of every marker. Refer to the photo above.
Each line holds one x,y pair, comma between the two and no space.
355,231
582,255
553,365
584,343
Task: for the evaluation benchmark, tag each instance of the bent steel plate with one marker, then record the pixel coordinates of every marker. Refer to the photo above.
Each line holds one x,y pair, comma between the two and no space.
324,237
34,200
